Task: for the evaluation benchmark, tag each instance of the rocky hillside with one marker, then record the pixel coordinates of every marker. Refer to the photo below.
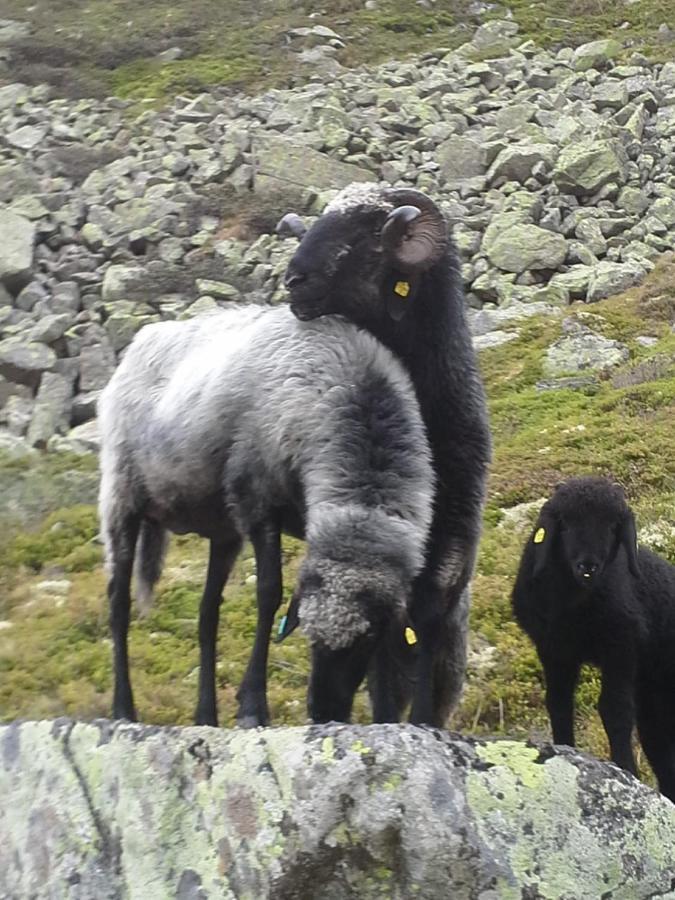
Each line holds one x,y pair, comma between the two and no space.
556,169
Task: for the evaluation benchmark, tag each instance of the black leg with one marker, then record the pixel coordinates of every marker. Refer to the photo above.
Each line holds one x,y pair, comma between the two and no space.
440,609
123,546
252,694
221,560
561,679
617,710
656,728
391,675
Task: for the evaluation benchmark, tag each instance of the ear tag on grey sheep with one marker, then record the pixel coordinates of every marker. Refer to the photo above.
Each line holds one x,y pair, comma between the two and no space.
288,622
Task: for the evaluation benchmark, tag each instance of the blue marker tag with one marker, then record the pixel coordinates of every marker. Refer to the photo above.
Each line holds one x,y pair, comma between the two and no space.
282,626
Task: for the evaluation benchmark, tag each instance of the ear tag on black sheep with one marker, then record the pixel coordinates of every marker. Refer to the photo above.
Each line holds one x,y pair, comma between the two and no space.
539,536
410,636
402,288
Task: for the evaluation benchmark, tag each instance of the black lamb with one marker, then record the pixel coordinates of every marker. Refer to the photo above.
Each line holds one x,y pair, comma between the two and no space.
587,593
383,258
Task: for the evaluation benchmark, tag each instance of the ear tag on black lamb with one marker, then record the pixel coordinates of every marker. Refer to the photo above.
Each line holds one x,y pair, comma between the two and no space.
539,536
410,636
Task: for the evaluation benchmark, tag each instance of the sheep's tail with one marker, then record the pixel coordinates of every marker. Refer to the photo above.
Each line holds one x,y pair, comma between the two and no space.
150,551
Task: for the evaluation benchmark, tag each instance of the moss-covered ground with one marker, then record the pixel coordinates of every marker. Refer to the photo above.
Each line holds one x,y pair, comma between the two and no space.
86,47
54,642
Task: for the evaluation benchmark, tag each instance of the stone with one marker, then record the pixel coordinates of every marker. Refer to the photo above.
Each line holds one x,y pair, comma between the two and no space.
12,95
516,162
25,362
610,95
51,327
29,296
118,279
460,157
664,210
589,232
584,167
526,247
612,278
97,363
221,290
17,240
27,137
349,805
632,200
494,339
595,54
52,409
280,164
80,440
18,413
575,280
580,350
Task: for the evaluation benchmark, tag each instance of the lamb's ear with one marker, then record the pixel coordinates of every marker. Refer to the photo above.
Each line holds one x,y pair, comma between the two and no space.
291,225
414,236
628,537
543,537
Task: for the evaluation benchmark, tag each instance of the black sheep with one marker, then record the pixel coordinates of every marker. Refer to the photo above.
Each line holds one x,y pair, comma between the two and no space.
586,593
383,258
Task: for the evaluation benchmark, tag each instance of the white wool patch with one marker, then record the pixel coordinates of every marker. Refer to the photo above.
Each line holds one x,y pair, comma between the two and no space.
360,194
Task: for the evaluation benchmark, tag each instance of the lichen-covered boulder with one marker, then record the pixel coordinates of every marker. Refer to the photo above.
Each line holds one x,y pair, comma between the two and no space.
109,810
583,167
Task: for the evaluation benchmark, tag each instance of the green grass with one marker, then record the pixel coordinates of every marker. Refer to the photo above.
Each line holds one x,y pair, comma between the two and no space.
55,655
110,46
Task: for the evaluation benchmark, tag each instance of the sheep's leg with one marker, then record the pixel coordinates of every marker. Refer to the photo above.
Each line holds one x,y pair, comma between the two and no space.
616,708
122,549
252,694
561,677
656,728
390,676
440,615
221,560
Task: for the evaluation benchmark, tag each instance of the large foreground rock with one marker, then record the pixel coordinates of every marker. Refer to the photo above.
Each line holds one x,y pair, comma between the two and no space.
116,810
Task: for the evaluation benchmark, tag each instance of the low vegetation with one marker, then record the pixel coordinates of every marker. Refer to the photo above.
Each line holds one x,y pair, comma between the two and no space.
98,47
54,643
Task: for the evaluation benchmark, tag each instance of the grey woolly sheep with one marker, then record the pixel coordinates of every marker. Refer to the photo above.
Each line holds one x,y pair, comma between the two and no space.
247,423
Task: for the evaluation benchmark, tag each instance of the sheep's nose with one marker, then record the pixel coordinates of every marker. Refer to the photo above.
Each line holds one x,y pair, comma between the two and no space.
293,279
587,568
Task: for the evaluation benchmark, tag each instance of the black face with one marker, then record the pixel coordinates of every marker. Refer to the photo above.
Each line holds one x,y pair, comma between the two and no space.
584,526
336,676
339,266
588,547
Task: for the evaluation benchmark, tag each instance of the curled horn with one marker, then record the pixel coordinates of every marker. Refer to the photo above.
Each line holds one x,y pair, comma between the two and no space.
415,233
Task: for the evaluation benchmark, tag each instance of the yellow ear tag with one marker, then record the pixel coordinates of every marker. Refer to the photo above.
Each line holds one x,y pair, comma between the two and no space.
402,288
539,536
410,636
